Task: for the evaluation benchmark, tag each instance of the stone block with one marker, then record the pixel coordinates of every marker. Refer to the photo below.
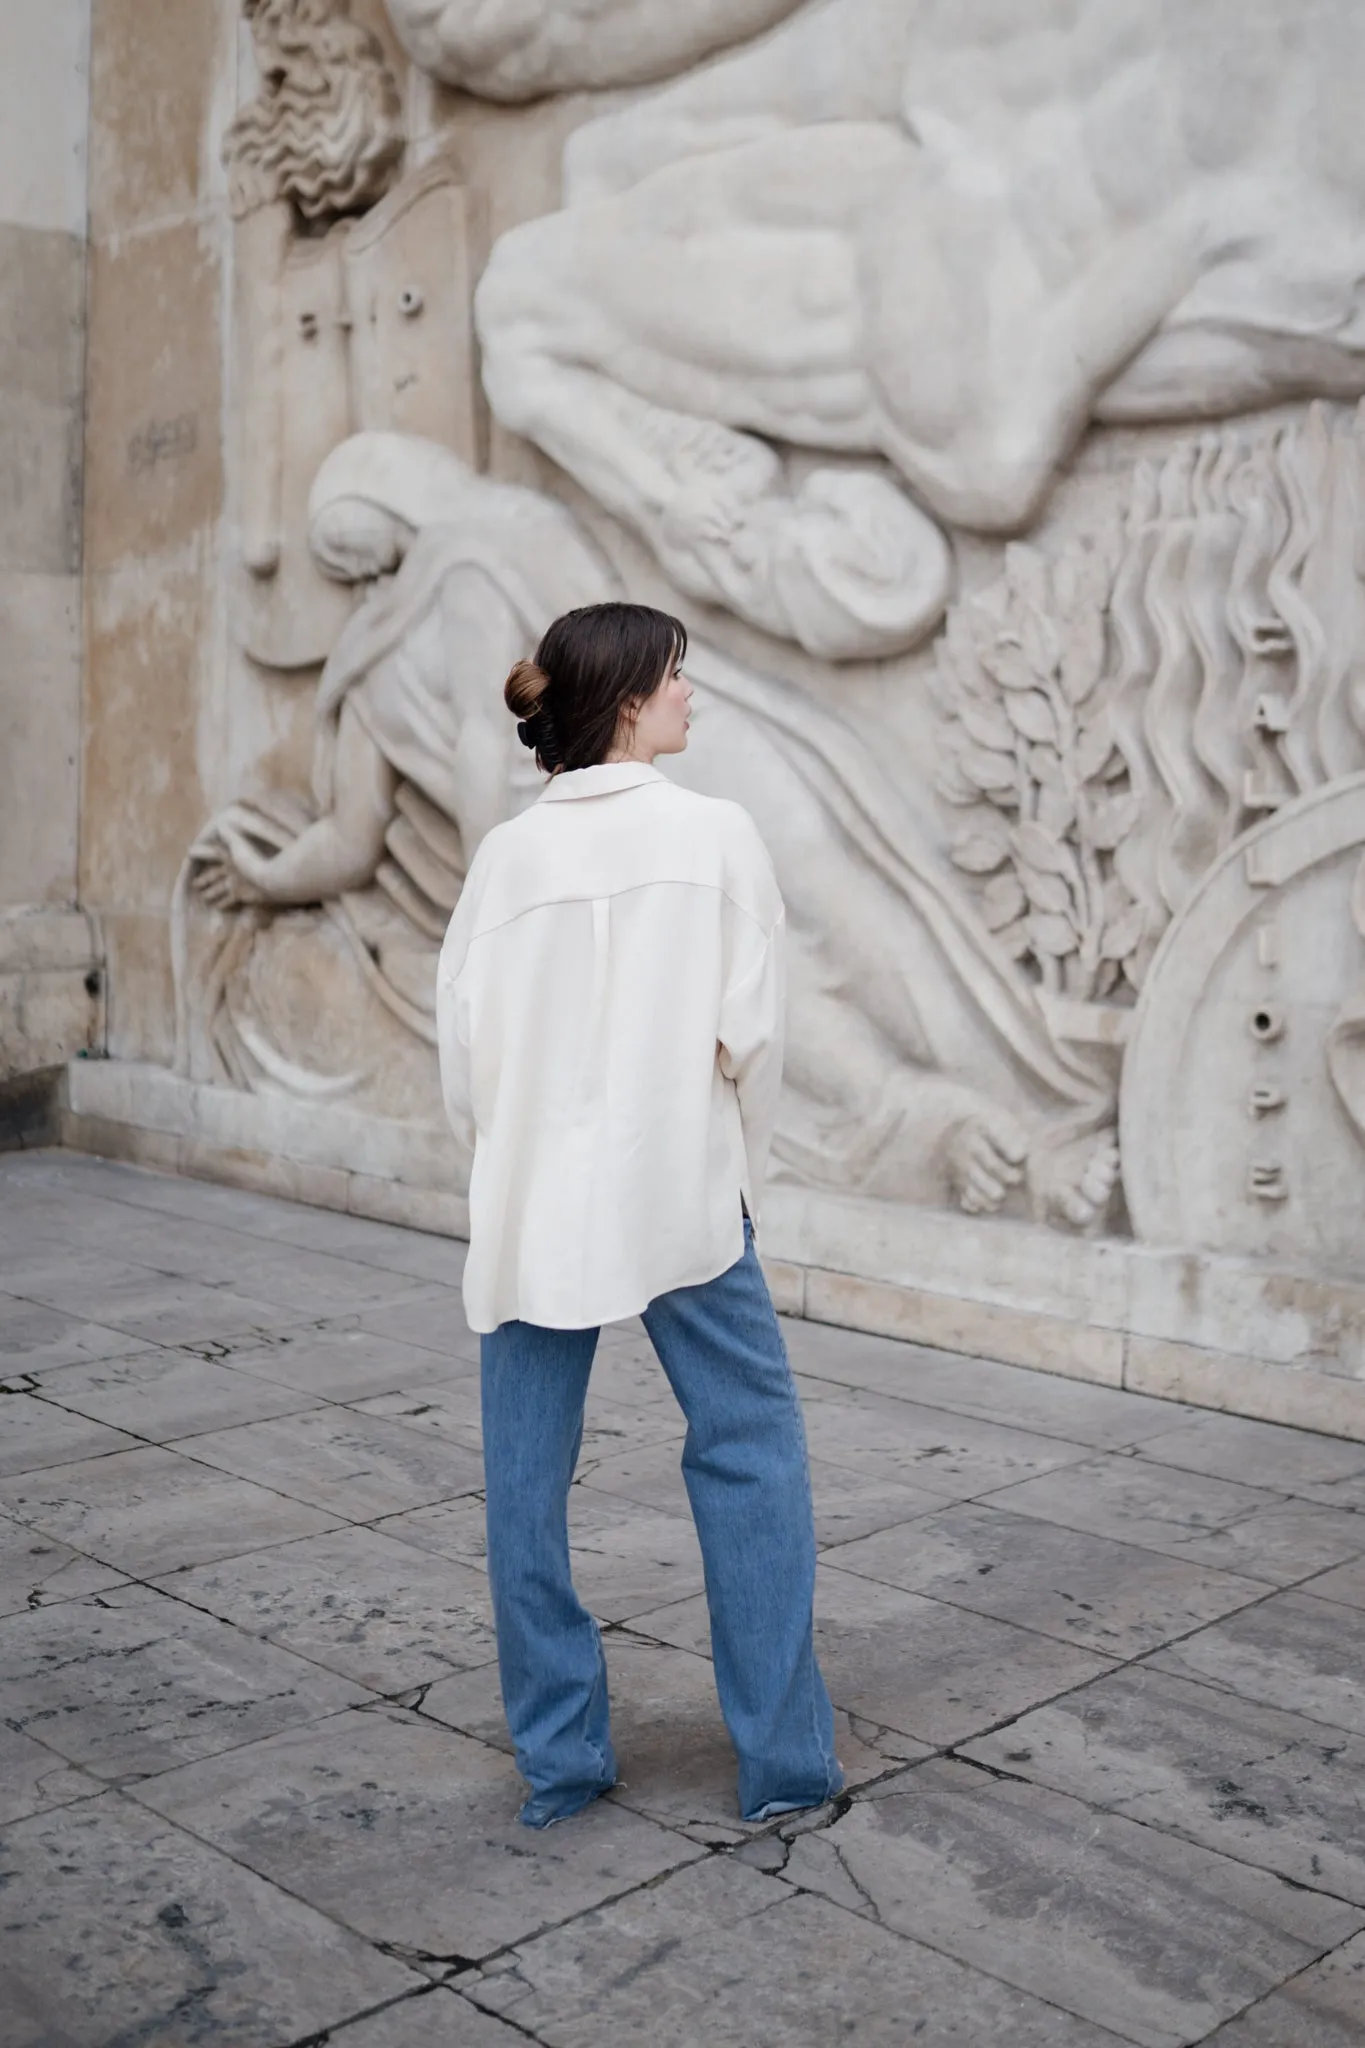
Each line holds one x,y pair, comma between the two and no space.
44,107
1078,1350
154,462
42,342
1246,1386
40,745
163,1925
336,1814
156,68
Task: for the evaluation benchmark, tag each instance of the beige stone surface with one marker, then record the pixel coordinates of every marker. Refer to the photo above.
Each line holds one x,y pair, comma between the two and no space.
43,107
40,710
154,465
42,292
140,793
154,70
1080,1350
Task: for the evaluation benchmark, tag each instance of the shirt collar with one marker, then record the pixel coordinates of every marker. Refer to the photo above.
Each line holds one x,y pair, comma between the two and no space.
603,780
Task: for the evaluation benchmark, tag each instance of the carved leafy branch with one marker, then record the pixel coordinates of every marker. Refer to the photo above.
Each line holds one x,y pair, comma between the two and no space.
1030,756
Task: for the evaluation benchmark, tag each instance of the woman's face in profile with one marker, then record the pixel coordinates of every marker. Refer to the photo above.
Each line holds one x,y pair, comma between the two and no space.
662,720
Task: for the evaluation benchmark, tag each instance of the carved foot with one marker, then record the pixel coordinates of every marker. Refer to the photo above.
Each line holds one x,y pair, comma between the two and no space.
984,1158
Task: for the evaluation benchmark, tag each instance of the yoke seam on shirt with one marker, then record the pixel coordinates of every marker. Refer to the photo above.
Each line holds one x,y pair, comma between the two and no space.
610,895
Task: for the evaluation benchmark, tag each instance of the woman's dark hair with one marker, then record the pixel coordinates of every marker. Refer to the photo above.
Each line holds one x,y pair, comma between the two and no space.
593,667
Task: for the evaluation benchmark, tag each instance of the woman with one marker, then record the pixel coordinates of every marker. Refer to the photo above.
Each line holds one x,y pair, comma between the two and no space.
609,1015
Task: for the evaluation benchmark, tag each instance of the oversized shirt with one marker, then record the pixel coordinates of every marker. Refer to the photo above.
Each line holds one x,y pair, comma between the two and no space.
609,1012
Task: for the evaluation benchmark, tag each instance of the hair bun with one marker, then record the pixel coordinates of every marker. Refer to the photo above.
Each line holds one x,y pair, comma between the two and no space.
522,692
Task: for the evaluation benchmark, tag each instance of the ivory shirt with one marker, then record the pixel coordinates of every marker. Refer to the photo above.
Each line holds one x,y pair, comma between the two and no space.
609,1013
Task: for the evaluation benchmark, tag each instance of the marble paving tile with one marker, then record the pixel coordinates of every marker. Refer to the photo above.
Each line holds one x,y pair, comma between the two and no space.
344,1364
1291,1651
1084,1589
159,1395
355,1466
152,1307
34,1338
1322,2008
627,1558
131,1681
433,1320
1328,1469
449,1528
151,1510
1038,1401
946,1454
725,1955
1345,1584
33,1779
318,1284
35,1435
675,1761
407,1832
35,1571
376,1610
1209,1521
848,1501
630,1372
1139,1932
1266,1787
900,1661
437,2018
449,1407
122,1929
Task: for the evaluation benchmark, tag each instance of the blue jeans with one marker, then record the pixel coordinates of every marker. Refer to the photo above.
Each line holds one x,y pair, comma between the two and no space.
744,1462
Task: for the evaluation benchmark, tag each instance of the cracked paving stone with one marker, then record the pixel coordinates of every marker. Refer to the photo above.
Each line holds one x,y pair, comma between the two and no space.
1265,1786
35,1571
158,1308
1345,1584
34,1338
951,1455
1322,2008
121,1929
1205,1520
1084,1589
354,1466
1290,1652
432,1320
376,1610
725,1955
407,1831
440,2018
35,1436
159,1395
151,1510
133,1682
33,1779
846,1502
907,1663
675,1762
1133,1929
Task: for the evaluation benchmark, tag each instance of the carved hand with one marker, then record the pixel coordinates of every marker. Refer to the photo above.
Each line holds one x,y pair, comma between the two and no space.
984,1156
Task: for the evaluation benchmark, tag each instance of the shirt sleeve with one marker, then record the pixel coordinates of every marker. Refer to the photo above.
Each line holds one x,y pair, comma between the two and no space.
452,1020
751,1039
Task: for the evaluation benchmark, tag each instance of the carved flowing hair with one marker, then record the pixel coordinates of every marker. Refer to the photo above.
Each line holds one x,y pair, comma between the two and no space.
325,131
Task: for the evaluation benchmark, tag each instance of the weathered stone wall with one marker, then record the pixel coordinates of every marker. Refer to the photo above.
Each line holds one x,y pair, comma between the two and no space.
46,1013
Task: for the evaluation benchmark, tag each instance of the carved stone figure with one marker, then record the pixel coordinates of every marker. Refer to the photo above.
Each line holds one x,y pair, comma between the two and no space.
947,237
508,50
919,1067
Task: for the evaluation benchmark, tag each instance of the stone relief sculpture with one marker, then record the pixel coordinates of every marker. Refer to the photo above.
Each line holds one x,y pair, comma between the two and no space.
817,321
919,1068
506,50
351,302
942,237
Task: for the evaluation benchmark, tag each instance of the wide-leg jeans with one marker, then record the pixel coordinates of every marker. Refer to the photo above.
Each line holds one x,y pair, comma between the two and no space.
748,1481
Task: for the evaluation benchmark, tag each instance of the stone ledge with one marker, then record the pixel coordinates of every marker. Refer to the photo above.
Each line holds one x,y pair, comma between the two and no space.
1222,1334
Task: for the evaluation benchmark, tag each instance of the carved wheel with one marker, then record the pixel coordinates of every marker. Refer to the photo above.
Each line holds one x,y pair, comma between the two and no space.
1235,1135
